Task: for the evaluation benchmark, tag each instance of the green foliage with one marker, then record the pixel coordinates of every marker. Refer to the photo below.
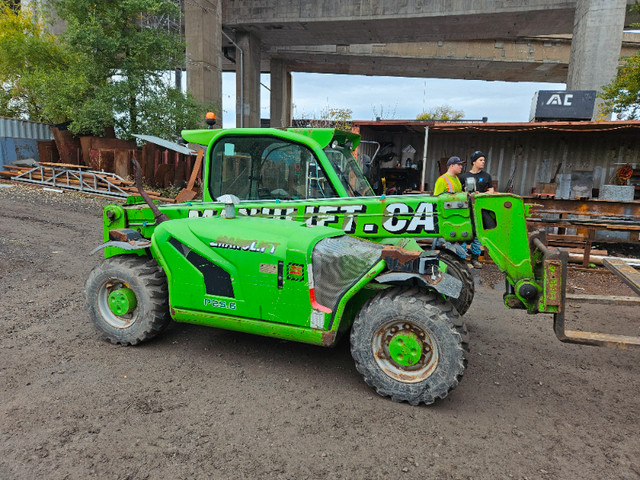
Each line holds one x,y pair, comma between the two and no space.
339,117
442,112
622,96
331,117
108,69
32,63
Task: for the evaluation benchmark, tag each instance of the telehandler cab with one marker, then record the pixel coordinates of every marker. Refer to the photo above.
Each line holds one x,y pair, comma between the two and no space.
289,242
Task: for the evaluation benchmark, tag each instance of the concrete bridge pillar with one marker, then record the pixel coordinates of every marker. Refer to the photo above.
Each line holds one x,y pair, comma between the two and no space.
280,94
248,84
203,35
595,48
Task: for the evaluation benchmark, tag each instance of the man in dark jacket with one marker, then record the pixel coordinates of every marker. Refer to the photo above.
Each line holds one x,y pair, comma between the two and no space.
484,183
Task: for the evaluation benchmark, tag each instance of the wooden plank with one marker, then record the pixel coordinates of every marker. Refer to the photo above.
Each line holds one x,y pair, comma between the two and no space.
196,170
64,165
593,252
624,271
16,167
187,194
565,238
603,299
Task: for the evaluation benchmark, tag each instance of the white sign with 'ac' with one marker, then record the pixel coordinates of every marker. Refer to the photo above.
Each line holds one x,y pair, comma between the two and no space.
557,99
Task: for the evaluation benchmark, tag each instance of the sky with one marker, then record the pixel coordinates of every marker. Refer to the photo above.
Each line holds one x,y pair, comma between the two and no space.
396,98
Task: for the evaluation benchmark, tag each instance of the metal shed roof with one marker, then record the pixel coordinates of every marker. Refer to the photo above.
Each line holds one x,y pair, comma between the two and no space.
507,127
166,144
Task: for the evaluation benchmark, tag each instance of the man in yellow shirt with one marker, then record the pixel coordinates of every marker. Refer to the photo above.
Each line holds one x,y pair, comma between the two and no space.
449,181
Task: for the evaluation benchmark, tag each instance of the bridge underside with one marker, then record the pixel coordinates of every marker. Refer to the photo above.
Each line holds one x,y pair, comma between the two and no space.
462,26
453,39
541,59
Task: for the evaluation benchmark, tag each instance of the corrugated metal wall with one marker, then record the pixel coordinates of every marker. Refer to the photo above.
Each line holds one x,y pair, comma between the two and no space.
12,128
534,155
19,139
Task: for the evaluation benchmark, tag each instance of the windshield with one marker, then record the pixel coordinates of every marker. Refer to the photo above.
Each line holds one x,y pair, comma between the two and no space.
263,167
349,172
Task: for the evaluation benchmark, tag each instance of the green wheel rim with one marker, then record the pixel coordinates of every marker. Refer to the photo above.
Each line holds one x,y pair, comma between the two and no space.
404,351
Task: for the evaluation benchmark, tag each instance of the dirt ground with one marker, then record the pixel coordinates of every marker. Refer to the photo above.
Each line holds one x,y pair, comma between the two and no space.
202,403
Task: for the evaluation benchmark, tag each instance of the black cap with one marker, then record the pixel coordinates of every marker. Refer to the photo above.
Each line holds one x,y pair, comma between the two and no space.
476,155
455,160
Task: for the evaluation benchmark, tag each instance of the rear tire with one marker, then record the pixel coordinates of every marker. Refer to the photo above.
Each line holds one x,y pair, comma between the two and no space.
457,268
141,285
406,345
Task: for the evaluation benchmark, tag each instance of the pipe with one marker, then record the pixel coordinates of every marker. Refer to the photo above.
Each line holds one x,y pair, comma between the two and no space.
424,158
241,78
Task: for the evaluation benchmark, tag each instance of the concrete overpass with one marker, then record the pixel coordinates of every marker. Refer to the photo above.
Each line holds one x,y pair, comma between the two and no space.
480,39
535,59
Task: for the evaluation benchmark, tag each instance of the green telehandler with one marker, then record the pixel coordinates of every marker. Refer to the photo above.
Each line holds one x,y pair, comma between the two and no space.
289,241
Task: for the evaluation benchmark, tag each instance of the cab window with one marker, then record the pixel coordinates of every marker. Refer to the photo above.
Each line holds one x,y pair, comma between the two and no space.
266,168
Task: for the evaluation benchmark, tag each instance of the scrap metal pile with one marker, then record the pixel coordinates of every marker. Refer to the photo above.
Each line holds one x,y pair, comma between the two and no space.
75,177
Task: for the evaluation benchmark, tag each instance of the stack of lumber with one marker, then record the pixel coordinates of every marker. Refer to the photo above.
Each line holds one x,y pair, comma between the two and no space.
97,180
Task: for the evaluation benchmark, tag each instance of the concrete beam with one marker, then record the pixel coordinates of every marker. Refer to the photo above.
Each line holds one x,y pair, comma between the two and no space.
302,22
539,59
203,22
542,60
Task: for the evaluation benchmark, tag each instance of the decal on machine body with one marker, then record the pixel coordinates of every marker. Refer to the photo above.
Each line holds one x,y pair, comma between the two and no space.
399,217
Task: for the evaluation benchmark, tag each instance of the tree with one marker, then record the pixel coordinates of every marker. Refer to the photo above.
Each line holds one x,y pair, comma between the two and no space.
622,96
34,66
108,69
442,112
127,54
331,118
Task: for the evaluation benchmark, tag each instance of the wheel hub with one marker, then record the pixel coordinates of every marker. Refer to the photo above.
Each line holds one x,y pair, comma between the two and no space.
122,301
405,348
405,351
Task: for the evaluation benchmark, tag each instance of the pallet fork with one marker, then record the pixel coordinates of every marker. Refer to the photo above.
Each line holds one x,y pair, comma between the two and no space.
555,276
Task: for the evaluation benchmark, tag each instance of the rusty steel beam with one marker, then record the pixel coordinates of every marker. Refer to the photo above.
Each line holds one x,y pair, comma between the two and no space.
594,208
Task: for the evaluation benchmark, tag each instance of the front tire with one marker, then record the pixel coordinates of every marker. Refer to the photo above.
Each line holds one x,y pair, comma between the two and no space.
406,345
127,299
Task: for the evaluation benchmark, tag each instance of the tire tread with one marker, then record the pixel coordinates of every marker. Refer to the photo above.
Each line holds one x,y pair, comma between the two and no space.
430,302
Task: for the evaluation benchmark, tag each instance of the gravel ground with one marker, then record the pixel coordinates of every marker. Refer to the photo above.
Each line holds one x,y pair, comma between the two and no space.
201,403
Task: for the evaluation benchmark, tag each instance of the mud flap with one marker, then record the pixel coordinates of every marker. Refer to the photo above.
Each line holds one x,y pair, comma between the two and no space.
445,284
126,239
407,266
